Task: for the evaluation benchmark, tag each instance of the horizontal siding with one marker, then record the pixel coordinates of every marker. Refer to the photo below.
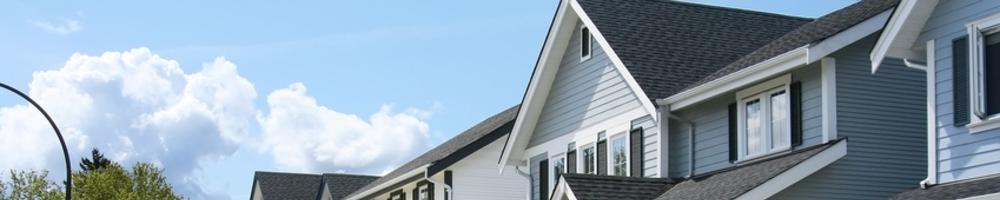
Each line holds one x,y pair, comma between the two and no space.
960,155
476,177
583,94
883,117
651,143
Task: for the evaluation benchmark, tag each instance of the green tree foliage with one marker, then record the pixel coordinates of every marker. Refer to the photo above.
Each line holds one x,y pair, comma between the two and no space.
96,161
30,185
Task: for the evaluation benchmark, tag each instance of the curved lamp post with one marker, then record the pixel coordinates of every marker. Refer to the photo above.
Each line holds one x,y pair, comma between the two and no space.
69,172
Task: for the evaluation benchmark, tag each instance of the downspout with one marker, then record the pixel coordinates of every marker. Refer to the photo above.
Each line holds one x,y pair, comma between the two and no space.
517,169
690,143
915,65
447,188
932,135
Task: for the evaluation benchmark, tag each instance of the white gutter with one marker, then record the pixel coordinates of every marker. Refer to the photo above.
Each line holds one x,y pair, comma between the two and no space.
414,172
447,188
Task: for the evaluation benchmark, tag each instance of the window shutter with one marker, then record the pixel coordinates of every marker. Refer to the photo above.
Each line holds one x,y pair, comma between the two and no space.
430,190
796,117
635,144
571,162
602,157
448,181
543,177
960,76
732,133
416,193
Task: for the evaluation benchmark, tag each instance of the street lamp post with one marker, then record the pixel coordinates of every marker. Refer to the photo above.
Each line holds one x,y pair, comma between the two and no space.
69,172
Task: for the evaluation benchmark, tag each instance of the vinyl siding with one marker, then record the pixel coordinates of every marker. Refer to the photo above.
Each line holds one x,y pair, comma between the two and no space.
711,121
883,118
650,143
960,155
535,178
476,177
583,93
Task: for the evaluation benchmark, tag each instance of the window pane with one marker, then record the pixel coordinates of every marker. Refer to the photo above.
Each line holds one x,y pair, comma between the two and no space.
779,120
754,138
618,156
991,73
585,42
588,161
559,168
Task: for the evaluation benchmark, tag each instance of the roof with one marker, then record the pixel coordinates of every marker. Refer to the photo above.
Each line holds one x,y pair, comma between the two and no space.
667,45
822,28
735,181
956,190
493,127
340,185
589,186
290,186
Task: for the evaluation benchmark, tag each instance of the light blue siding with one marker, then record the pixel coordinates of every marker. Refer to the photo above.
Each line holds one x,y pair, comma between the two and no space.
711,121
583,94
650,142
960,155
883,117
535,175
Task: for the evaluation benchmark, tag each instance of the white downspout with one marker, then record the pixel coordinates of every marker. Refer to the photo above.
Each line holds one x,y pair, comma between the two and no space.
930,68
517,169
447,188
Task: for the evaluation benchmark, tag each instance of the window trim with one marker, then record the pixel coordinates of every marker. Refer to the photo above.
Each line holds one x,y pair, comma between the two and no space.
554,160
977,30
590,43
582,160
624,137
756,92
423,191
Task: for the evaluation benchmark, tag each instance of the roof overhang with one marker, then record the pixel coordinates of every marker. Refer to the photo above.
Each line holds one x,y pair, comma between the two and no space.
563,25
797,173
899,40
777,65
419,171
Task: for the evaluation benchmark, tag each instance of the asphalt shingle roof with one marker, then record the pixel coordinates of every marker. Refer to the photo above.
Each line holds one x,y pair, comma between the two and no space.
340,185
667,45
957,190
484,128
732,182
290,186
601,187
812,32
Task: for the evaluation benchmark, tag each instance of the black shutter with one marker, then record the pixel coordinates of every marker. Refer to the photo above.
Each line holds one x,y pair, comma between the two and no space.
543,177
448,181
960,76
416,193
430,190
796,118
602,157
635,142
732,133
571,162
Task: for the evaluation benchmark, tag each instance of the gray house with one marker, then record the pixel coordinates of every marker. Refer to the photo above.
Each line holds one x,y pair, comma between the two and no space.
644,99
958,45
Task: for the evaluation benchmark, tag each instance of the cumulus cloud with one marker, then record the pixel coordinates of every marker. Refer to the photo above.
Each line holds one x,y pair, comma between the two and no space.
64,27
305,136
136,107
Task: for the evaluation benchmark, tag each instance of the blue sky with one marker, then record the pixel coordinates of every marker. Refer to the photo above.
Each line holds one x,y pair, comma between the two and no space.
444,64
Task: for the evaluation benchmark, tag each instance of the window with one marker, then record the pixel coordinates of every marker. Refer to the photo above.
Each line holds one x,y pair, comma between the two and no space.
558,168
397,195
984,62
585,44
589,160
764,118
424,193
619,156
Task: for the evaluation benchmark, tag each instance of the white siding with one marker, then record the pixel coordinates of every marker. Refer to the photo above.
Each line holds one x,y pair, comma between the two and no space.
476,177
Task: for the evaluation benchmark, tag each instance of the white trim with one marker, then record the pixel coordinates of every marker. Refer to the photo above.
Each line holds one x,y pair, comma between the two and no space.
762,92
797,173
932,150
901,31
765,86
417,171
611,153
994,196
829,82
746,76
596,33
979,121
848,36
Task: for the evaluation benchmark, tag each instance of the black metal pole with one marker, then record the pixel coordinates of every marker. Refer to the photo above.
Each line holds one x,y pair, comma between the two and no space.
69,171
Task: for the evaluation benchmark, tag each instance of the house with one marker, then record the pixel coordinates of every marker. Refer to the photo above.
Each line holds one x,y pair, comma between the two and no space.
957,45
705,102
299,186
460,168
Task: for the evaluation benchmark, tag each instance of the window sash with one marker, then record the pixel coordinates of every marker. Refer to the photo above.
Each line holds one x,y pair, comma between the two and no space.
978,32
589,160
619,158
765,126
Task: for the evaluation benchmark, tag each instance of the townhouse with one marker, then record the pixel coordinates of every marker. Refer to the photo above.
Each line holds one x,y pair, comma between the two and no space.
958,46
635,99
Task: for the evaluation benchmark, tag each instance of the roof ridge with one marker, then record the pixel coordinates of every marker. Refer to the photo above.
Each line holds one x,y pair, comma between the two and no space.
287,173
748,11
346,174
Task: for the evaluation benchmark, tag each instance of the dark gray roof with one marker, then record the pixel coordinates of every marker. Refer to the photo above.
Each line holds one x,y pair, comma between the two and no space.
498,124
667,45
588,186
340,185
824,27
957,190
290,186
733,182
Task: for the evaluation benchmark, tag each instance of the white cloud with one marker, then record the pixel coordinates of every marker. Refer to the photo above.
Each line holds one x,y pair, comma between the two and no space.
305,136
136,107
64,27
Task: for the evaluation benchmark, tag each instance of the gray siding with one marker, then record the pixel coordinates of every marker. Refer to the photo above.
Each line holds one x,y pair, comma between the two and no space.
583,93
535,178
960,155
883,117
711,121
650,143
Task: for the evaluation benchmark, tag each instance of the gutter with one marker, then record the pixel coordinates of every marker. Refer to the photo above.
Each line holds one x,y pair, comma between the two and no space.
417,171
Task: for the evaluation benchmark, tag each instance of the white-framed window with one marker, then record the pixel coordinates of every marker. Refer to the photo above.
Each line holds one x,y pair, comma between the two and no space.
763,112
984,71
619,155
398,196
588,159
586,44
558,167
424,193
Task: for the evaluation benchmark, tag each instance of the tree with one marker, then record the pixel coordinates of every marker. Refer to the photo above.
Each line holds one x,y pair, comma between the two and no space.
30,185
96,161
145,181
